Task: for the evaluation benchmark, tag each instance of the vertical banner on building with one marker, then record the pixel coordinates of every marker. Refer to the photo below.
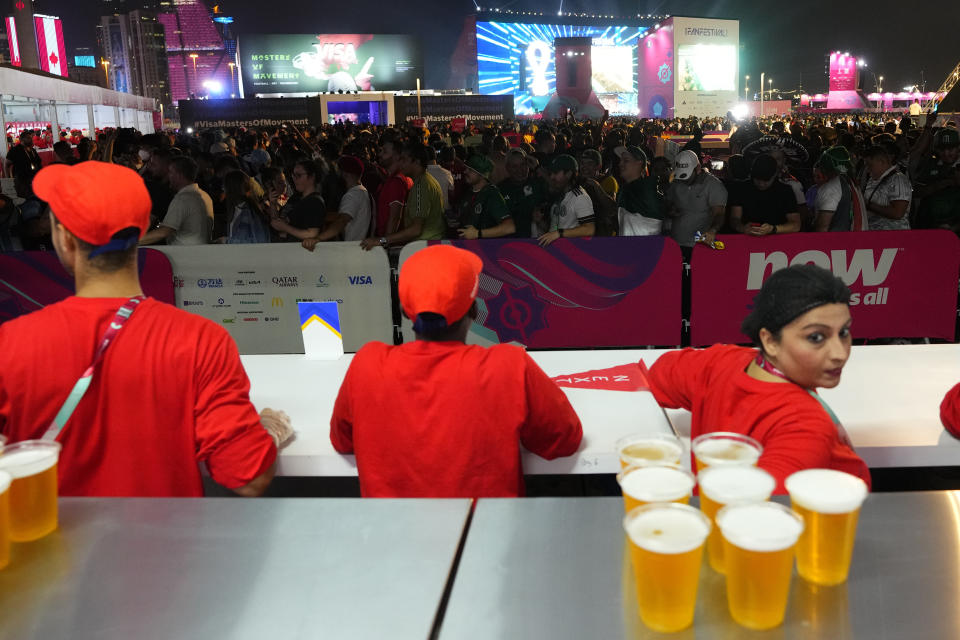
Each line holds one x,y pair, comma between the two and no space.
50,45
11,25
657,69
707,67
903,283
582,292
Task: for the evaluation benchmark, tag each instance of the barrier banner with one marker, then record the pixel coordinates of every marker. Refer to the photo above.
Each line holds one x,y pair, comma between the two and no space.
253,291
903,283
31,280
583,292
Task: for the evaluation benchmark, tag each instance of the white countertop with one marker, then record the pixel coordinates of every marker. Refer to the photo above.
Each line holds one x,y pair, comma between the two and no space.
888,400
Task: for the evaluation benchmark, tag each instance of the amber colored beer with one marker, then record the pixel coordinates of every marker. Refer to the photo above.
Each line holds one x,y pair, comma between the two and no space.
720,486
666,550
725,448
640,450
5,481
759,541
829,502
655,483
33,491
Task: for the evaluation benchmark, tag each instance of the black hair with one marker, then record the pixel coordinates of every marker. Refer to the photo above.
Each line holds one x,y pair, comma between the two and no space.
109,262
419,153
788,294
186,167
433,327
310,168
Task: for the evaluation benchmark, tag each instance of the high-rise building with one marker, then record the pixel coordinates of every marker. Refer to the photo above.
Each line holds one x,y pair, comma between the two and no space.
198,57
23,34
134,48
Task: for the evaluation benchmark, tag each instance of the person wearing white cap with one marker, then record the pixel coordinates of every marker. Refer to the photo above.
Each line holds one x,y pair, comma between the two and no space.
696,201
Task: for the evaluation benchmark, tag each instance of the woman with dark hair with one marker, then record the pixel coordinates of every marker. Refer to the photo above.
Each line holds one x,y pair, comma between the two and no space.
800,324
303,216
246,222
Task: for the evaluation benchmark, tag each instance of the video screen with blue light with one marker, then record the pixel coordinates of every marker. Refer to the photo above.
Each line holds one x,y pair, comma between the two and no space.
518,58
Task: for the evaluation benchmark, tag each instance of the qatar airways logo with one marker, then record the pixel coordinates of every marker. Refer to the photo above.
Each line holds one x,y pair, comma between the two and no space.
863,265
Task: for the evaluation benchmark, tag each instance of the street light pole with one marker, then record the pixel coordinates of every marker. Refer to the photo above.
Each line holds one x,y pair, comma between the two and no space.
746,89
762,75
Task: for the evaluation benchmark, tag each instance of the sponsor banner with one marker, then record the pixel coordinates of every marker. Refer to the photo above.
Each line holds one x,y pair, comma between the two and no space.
438,109
253,291
250,112
590,292
657,69
903,283
31,280
341,62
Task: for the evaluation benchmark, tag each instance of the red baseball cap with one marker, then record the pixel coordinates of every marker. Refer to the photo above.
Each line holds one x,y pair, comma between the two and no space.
95,200
441,279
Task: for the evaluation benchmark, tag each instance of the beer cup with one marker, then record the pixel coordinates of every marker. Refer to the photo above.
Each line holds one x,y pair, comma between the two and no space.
3,441
666,549
655,483
5,481
33,492
759,540
829,502
720,486
725,448
640,450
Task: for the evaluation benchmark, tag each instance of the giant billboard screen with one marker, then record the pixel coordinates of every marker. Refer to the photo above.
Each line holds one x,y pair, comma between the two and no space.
309,64
518,59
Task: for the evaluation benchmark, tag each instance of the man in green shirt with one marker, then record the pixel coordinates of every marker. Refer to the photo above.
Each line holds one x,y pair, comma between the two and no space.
524,194
423,211
640,206
483,212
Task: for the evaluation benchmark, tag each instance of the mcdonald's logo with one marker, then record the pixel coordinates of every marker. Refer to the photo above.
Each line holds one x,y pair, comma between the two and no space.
276,302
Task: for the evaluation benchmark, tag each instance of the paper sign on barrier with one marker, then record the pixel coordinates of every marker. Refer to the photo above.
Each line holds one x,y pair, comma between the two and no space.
320,324
625,377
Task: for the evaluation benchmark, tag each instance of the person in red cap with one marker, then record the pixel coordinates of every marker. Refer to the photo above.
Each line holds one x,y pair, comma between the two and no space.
440,418
165,389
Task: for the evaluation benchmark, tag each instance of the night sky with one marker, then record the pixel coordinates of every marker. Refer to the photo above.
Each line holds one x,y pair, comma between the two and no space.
786,39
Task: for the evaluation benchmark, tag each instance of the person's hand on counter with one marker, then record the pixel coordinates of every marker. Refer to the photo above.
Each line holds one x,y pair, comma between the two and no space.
277,424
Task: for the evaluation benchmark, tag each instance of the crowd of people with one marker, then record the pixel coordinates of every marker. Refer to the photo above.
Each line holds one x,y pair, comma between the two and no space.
387,186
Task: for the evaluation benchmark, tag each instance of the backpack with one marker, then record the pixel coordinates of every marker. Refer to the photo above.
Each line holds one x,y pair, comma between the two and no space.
604,208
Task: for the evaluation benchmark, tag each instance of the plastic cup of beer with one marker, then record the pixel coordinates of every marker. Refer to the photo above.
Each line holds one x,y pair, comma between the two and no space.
725,448
640,450
829,502
666,550
655,483
759,540
5,481
720,486
33,492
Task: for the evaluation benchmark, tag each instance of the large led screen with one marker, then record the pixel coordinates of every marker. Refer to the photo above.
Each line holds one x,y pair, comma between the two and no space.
707,67
518,59
329,62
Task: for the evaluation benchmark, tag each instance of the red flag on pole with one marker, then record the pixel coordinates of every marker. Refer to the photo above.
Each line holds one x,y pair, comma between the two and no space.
624,377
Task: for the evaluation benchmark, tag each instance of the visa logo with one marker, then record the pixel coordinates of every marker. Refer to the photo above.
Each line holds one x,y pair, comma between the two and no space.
359,280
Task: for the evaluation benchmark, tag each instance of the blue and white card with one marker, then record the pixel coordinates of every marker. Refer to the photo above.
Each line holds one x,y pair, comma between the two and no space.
320,324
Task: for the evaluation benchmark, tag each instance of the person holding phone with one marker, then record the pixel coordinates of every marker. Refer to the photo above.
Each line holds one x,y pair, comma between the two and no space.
764,205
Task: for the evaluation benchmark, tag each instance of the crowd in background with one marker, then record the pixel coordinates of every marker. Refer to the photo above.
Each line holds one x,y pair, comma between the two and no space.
386,186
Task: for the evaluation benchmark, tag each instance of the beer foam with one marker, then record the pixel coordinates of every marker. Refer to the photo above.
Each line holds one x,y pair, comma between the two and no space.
5,480
729,484
669,451
20,463
760,526
826,490
719,451
656,483
668,530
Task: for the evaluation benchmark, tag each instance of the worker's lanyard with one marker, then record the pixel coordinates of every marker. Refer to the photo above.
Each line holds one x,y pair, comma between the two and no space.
80,388
769,368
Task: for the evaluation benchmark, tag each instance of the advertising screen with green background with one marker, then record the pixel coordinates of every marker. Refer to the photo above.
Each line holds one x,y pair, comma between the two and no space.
312,63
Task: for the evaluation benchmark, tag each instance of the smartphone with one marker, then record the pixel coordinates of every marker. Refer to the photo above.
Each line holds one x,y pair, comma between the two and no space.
716,165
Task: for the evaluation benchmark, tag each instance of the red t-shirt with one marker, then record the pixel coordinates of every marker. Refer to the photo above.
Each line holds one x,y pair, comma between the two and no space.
170,392
443,419
795,429
950,411
394,189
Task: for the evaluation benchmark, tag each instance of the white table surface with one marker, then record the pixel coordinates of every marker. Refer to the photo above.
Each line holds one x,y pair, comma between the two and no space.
307,389
888,400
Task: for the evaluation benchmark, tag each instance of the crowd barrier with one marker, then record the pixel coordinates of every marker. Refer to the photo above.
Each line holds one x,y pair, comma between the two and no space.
903,283
576,293
31,280
252,290
592,292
